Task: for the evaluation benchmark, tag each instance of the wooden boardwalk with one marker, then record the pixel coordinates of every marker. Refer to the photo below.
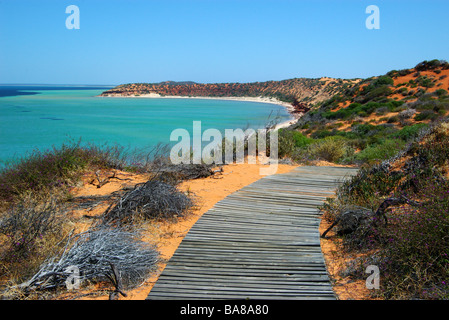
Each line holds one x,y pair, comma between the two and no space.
261,242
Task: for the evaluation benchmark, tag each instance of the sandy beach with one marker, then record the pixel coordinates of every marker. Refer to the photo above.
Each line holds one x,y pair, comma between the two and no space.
288,106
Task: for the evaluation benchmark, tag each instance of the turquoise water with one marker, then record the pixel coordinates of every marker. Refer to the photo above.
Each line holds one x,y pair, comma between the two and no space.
51,116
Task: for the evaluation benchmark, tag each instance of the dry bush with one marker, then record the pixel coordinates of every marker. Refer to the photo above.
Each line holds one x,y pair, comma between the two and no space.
153,199
29,231
92,254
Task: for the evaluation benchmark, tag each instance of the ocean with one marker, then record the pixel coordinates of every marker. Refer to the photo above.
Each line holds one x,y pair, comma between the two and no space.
39,117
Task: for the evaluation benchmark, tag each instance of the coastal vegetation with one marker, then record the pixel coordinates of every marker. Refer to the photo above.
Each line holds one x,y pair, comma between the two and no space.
409,244
393,214
41,238
374,119
57,170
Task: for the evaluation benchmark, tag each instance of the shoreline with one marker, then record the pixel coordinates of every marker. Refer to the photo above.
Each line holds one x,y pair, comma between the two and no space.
288,106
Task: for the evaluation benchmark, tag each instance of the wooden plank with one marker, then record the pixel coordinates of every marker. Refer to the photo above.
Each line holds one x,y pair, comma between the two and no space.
261,242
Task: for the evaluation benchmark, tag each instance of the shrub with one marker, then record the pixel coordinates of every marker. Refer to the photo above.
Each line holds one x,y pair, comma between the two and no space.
289,140
406,114
383,80
93,253
365,189
393,119
415,260
398,73
432,64
376,153
431,104
59,167
331,149
426,115
321,134
301,141
382,110
396,106
153,199
424,81
286,143
29,231
402,91
374,93
409,132
363,129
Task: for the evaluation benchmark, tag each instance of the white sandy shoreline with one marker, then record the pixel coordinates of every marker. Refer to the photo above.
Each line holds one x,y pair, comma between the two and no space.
288,106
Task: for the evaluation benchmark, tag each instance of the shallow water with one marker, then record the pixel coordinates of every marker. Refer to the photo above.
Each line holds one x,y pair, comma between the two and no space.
40,117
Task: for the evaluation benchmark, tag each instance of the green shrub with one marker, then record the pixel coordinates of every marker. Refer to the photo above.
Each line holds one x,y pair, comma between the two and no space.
286,143
393,119
383,80
290,140
363,129
320,134
432,64
402,91
424,81
385,150
372,93
396,106
426,115
59,167
410,132
331,149
301,141
352,110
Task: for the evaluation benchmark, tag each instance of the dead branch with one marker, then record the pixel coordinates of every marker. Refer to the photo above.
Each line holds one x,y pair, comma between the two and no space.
102,182
151,199
116,280
92,253
352,218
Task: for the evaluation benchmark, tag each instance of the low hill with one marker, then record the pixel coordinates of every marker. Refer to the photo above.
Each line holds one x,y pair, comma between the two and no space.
373,119
298,91
397,99
393,214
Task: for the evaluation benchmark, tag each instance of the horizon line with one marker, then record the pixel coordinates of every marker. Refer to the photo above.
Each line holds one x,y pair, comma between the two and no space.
58,84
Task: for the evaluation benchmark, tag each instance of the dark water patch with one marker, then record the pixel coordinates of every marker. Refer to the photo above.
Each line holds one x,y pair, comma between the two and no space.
13,93
21,109
24,90
51,118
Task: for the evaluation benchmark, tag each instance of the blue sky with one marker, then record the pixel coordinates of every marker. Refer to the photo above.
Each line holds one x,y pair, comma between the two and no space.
214,40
